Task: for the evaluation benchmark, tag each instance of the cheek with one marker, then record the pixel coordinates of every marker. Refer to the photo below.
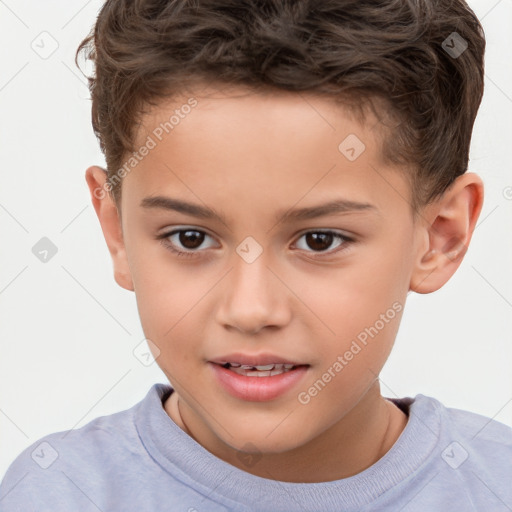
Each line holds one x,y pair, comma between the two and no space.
163,293
357,308
165,307
167,320
381,275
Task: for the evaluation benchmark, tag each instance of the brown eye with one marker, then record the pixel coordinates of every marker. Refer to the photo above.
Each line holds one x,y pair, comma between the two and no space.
191,239
185,242
319,241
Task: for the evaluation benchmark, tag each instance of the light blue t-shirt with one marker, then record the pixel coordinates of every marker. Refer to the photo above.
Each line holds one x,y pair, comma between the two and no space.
140,460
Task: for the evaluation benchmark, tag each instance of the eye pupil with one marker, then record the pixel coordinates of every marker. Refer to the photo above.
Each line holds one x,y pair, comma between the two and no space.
324,238
186,237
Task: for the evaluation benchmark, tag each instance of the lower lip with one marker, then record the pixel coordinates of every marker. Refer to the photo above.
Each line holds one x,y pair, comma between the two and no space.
257,389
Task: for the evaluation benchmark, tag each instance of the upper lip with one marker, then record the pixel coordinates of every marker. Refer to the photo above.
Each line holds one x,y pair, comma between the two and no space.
254,359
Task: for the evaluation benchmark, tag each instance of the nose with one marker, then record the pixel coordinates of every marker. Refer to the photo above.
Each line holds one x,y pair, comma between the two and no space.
253,297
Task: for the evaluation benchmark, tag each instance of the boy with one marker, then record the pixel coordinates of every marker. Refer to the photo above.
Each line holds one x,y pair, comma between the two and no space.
279,176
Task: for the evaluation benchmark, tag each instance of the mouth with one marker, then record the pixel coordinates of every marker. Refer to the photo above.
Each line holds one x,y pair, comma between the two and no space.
243,379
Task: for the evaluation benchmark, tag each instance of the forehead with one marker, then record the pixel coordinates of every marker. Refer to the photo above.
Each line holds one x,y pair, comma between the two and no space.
246,105
272,143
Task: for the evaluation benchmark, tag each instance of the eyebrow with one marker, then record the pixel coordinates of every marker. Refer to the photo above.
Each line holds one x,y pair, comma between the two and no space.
338,206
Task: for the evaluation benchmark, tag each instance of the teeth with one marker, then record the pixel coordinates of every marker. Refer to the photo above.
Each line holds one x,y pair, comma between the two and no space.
261,367
265,367
257,374
267,370
264,370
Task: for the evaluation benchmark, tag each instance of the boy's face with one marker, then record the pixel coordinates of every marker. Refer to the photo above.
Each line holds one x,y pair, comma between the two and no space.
258,283
304,299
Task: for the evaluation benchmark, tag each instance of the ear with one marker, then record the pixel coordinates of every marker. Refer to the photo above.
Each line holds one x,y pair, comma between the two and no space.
451,221
110,221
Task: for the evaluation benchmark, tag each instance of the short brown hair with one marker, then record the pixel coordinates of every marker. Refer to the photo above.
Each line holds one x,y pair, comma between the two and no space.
394,51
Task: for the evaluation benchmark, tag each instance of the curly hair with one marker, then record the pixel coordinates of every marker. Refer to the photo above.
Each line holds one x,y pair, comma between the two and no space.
420,61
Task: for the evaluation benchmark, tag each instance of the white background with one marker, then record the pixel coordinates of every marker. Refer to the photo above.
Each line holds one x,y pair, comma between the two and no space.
68,332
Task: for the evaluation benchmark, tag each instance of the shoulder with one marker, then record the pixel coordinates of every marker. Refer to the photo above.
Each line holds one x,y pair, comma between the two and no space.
483,441
473,455
466,425
476,430
68,463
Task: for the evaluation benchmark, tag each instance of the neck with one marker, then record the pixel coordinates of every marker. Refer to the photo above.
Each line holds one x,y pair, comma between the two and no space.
356,442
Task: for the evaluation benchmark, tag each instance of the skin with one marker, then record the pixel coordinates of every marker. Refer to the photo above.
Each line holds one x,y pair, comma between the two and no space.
249,156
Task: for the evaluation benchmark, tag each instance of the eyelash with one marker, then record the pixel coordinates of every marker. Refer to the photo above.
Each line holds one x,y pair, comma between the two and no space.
345,245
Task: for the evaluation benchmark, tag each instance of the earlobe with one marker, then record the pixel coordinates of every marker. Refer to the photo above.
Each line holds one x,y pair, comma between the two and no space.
110,222
448,235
